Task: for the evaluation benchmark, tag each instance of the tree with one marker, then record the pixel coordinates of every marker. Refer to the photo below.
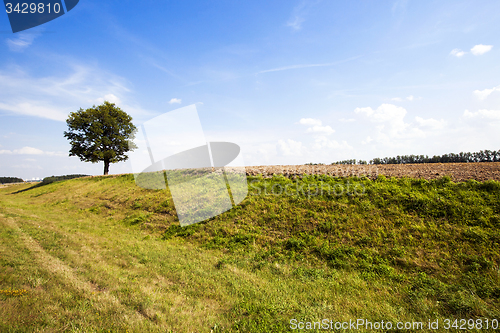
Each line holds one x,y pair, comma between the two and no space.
100,134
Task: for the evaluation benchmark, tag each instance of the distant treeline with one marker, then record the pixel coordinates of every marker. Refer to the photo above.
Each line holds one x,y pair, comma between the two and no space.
481,156
8,180
52,179
353,161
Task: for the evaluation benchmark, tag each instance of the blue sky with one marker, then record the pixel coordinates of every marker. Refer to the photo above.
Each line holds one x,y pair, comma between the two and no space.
291,82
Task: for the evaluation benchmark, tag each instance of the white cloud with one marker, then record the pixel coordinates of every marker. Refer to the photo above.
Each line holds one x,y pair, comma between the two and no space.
321,129
457,53
430,123
31,151
310,122
410,98
481,49
175,101
110,98
482,94
289,148
389,119
482,114
23,40
384,113
397,99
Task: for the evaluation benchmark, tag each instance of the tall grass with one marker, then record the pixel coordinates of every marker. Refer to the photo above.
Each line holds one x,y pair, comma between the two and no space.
101,254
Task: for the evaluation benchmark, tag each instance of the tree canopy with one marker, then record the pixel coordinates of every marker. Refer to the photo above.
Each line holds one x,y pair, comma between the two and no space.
100,134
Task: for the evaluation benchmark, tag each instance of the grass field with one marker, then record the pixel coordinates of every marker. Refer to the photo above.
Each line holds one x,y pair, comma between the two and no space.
103,255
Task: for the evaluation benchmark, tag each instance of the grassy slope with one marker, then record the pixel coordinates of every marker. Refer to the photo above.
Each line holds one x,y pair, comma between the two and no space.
100,254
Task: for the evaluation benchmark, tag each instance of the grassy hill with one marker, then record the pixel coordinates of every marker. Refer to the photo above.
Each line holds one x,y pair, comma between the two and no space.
103,255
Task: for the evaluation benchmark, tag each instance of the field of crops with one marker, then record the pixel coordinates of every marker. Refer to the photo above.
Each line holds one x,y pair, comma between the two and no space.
457,171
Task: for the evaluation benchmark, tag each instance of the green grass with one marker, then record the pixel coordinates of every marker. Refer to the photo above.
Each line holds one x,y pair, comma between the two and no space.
103,255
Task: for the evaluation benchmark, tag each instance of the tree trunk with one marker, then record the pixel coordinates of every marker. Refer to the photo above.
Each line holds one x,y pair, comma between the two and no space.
106,166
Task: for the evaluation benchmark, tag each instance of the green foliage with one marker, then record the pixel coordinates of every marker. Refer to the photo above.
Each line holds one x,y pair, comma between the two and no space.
100,134
8,180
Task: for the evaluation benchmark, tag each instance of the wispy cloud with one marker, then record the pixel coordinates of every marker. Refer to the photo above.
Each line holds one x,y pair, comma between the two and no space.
408,98
295,23
310,121
297,17
399,6
481,49
321,129
31,151
300,13
457,53
35,109
163,69
322,142
316,126
54,97
349,120
23,41
284,68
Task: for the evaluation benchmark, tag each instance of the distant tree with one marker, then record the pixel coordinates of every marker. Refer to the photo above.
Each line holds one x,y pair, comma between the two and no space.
7,180
100,134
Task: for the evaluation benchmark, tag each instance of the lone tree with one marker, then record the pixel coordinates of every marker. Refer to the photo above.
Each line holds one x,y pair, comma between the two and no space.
100,134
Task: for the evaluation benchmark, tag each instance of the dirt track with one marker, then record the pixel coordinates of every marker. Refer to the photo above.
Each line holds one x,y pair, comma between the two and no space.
457,171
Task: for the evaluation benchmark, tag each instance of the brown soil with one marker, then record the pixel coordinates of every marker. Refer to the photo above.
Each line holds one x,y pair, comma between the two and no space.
457,171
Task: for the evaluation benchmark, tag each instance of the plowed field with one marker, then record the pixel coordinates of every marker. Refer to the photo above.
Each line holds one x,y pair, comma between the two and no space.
457,171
